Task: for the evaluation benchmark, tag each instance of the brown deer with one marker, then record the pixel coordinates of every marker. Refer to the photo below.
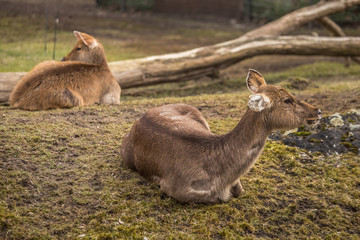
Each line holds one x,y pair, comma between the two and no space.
82,78
173,146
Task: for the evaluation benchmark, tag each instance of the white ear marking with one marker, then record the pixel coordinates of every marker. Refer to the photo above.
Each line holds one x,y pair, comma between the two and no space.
251,88
259,102
93,44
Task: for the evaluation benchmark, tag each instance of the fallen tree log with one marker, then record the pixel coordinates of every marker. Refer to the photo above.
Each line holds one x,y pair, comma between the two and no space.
209,60
172,68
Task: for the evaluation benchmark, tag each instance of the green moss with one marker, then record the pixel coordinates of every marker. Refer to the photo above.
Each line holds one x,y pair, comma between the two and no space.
350,146
314,140
344,137
302,133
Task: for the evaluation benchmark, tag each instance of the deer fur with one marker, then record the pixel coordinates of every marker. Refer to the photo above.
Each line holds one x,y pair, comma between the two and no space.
173,146
82,78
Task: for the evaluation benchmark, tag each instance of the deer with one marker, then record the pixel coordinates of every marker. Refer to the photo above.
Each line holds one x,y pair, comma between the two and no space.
173,146
81,78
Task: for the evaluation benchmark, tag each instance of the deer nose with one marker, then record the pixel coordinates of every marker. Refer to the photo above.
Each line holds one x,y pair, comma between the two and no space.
318,112
63,59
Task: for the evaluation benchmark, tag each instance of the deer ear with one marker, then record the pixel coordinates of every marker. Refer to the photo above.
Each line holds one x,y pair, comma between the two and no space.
258,102
86,39
254,80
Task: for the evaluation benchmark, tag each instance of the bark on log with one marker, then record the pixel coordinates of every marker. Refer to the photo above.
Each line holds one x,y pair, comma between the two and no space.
208,60
7,83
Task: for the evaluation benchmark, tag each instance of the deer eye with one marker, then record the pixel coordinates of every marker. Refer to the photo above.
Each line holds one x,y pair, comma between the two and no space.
288,101
78,49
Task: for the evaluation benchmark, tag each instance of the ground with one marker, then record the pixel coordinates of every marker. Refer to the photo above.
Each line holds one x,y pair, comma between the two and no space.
62,177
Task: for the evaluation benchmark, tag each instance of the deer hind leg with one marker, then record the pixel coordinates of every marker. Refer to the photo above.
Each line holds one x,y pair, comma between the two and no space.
180,194
236,189
68,98
200,191
49,99
112,96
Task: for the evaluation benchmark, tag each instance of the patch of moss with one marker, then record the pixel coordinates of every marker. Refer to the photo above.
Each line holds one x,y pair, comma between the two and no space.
344,137
314,140
302,133
350,146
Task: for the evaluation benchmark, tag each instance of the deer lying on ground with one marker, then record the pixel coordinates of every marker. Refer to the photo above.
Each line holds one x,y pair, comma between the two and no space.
173,146
82,78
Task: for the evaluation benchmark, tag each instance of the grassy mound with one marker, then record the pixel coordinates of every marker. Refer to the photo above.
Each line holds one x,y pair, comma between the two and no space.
62,177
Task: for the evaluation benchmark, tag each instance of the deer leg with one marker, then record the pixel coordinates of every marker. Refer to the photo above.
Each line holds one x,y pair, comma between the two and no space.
68,98
51,99
112,96
237,189
201,193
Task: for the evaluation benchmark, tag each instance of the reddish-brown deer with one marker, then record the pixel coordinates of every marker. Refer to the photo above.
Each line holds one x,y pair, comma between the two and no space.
173,146
82,78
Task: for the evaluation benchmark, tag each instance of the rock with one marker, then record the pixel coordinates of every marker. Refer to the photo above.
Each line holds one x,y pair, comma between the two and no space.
290,131
354,126
335,134
354,111
336,120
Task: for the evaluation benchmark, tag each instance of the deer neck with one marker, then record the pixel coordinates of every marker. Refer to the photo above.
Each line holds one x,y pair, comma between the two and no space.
99,58
243,145
101,61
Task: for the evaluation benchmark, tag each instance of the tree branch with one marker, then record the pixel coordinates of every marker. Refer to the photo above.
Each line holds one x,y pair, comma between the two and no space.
336,30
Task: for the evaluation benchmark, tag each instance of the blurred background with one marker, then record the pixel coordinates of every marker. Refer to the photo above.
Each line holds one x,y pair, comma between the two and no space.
37,30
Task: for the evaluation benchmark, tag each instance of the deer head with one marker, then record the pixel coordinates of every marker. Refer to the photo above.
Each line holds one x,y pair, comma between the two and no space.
280,108
86,50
